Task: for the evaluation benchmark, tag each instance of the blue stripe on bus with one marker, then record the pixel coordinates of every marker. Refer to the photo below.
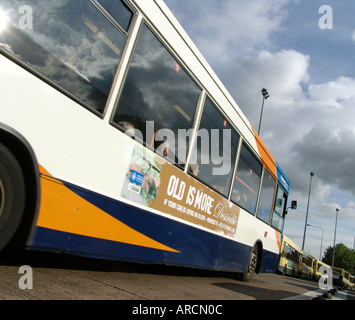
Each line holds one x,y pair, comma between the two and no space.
197,248
283,180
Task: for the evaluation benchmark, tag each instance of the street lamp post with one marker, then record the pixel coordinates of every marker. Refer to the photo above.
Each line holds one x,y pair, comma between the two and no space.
335,234
321,241
265,96
309,196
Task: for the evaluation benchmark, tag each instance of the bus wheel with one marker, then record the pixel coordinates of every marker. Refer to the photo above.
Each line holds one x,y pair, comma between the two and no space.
12,195
253,260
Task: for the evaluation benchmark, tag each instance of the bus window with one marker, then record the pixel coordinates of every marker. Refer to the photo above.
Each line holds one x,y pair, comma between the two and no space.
73,45
266,197
157,99
280,202
119,11
292,254
247,181
215,150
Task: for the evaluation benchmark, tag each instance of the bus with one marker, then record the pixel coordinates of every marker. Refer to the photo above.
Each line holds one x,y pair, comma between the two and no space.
290,258
316,266
341,278
118,141
306,266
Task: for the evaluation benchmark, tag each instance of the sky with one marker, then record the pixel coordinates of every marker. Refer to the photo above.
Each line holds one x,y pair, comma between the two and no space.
303,52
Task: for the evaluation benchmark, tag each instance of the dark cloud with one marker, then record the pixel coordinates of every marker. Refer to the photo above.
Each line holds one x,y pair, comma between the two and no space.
331,153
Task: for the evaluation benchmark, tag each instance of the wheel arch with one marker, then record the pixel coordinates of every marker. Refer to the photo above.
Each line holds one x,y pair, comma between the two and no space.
23,152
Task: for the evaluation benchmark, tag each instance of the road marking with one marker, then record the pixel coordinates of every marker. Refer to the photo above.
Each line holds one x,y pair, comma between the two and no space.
313,294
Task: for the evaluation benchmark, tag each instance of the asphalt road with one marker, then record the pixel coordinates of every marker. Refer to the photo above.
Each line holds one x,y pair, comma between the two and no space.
65,277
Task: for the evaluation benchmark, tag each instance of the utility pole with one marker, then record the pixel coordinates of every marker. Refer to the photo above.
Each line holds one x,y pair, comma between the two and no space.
335,234
309,196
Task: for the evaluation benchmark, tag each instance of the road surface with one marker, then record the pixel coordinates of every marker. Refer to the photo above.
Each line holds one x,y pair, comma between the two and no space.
64,277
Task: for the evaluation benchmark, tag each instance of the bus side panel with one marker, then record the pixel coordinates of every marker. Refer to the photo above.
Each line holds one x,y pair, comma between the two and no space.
60,133
81,222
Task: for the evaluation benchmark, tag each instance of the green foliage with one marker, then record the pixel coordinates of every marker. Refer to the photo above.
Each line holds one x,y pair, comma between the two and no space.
344,257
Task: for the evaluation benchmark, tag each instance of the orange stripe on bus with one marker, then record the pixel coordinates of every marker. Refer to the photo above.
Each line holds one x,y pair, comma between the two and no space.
278,239
266,156
43,171
63,210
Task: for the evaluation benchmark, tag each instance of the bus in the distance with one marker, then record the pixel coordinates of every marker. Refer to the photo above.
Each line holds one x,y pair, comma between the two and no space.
341,278
306,266
290,257
118,141
316,269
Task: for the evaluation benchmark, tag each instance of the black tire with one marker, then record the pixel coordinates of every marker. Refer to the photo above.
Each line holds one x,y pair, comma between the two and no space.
12,195
253,261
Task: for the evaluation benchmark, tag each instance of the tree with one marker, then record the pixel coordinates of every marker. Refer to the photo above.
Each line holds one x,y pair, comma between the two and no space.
344,257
